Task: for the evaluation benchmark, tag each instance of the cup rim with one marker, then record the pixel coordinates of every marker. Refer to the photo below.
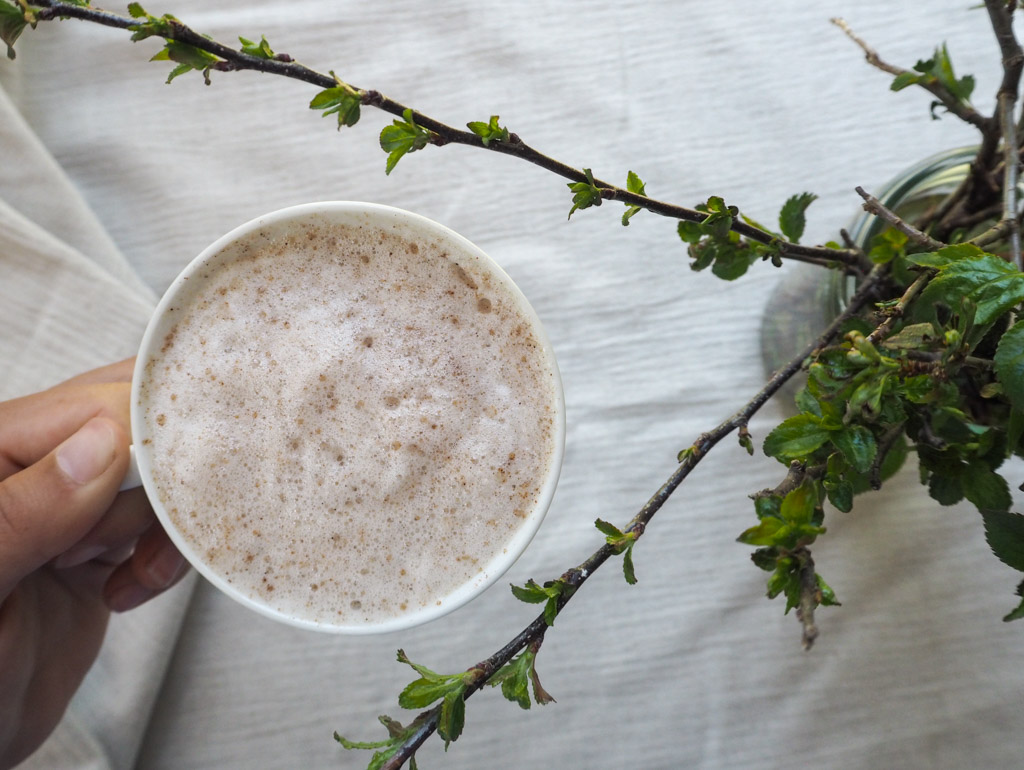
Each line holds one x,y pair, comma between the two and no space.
375,212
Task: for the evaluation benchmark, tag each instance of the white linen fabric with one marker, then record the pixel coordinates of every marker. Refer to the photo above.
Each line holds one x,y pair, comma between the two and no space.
111,181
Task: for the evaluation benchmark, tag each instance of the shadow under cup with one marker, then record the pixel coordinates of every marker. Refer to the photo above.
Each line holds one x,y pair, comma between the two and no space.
347,417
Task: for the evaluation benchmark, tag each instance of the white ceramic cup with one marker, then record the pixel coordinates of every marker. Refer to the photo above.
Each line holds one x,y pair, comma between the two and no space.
403,223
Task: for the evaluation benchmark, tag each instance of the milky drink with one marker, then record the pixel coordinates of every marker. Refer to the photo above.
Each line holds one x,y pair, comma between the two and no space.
348,420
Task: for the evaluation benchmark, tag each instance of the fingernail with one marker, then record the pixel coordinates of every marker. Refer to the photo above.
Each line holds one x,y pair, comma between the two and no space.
165,567
89,452
129,597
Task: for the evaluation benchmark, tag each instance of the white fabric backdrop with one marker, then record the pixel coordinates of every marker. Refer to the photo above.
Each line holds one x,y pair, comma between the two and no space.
111,181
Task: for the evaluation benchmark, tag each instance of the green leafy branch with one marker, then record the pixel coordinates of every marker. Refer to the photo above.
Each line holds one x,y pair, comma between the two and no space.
937,76
912,374
715,241
490,131
401,745
412,130
342,100
934,75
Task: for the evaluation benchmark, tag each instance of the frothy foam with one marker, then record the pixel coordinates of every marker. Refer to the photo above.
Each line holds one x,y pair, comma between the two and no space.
347,423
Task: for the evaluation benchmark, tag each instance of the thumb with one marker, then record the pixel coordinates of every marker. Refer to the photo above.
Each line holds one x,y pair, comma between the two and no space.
47,507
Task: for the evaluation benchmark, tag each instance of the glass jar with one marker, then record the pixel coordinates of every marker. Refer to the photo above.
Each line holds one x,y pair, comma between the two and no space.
807,300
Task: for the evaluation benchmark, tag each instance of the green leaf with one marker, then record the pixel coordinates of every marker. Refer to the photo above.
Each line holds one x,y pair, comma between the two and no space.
719,217
490,131
609,529
798,506
430,687
551,593
1017,614
634,185
153,26
791,218
379,757
13,21
866,399
585,194
937,70
985,488
858,446
627,565
945,488
992,284
453,716
401,137
1014,430
786,580
530,593
905,80
961,88
768,506
690,232
341,100
840,493
828,596
188,58
514,678
362,744
1009,364
911,336
1004,532
397,737
765,533
732,259
517,677
888,245
795,438
260,50
946,255
765,558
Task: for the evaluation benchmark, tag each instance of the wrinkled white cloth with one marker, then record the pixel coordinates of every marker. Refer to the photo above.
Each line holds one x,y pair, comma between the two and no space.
111,181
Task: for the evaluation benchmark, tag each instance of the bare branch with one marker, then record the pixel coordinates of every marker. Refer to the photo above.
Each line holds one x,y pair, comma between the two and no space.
874,206
1013,63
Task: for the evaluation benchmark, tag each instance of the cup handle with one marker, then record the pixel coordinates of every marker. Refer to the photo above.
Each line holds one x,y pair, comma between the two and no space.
132,478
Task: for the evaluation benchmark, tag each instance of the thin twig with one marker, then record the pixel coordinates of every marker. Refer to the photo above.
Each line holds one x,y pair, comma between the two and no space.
810,596
894,313
874,206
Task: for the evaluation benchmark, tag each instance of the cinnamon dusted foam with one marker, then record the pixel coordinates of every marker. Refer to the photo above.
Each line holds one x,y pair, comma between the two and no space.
346,422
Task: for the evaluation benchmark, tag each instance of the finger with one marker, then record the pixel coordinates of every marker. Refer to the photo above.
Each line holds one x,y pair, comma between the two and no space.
155,566
118,372
50,505
33,425
129,516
